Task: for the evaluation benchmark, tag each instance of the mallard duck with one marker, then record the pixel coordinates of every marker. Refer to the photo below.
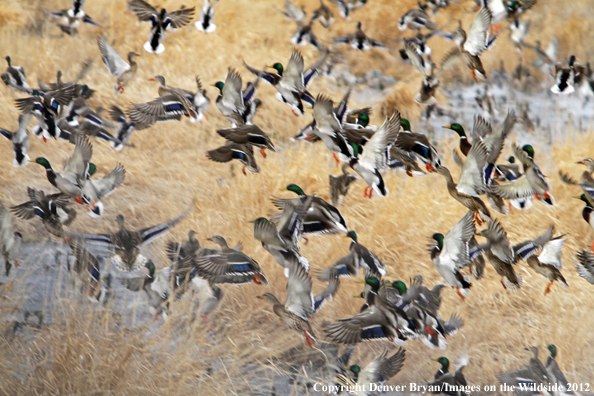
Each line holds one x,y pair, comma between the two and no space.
380,370
93,191
328,127
372,160
207,14
401,296
293,12
160,22
450,254
417,145
230,266
199,100
346,7
321,218
536,366
116,65
170,107
451,380
585,266
20,140
179,250
564,77
10,240
127,243
305,35
532,183
554,370
359,40
85,272
475,204
14,77
156,285
86,122
416,19
339,185
430,81
323,14
444,369
291,82
230,99
53,210
281,241
299,305
231,151
249,134
359,257
70,18
47,108
378,321
124,128
543,255
471,45
76,168
500,254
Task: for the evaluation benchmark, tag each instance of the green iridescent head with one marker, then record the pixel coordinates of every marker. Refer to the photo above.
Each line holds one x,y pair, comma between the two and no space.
373,282
43,162
445,363
8,61
456,128
220,85
511,159
439,239
400,286
151,267
352,235
529,150
553,349
363,120
295,188
278,67
405,124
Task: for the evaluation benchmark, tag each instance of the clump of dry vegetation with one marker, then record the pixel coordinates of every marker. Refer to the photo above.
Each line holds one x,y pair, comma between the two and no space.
86,349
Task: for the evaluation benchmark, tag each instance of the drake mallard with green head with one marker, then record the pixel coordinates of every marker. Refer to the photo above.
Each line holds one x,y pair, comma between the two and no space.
321,217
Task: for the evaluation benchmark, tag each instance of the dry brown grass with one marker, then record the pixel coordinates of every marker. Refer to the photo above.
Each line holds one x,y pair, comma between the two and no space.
85,349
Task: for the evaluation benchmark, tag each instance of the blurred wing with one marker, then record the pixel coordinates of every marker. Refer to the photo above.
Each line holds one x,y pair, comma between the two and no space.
455,244
415,58
181,17
299,296
109,183
112,59
293,76
149,234
374,151
519,188
551,253
476,42
143,10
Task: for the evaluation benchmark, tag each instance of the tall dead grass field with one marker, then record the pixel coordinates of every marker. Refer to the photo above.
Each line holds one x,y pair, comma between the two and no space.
88,350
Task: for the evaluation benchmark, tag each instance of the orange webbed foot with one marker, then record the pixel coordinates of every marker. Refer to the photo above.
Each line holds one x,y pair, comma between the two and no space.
460,294
336,159
548,288
243,171
263,152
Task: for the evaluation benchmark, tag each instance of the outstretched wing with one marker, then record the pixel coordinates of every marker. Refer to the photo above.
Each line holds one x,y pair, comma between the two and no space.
112,59
476,41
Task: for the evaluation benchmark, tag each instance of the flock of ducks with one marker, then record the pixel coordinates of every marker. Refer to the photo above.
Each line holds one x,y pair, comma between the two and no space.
392,310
